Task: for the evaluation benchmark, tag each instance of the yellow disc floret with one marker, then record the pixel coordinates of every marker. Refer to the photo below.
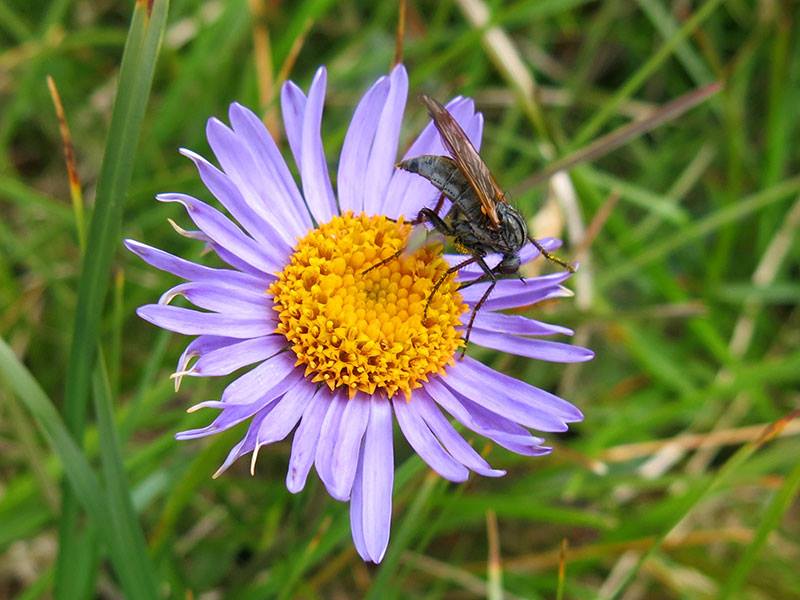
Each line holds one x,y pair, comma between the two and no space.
366,330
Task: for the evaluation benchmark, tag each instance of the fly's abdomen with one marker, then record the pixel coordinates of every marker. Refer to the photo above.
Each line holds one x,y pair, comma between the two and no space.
443,173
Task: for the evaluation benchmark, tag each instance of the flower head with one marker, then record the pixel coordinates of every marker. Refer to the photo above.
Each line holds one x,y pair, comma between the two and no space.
338,349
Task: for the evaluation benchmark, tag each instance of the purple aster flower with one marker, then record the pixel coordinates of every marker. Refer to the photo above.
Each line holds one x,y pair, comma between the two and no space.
336,350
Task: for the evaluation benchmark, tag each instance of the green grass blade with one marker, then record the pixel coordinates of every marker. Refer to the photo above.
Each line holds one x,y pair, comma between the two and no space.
141,580
610,108
772,517
136,75
115,528
702,227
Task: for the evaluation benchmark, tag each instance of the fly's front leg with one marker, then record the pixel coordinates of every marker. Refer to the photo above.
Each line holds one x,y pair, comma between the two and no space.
421,217
488,275
442,278
426,214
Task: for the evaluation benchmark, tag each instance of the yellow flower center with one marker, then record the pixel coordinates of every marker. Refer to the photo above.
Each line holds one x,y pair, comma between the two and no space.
366,331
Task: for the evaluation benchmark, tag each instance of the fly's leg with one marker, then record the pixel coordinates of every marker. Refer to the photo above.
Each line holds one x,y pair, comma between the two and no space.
444,276
488,275
426,214
551,257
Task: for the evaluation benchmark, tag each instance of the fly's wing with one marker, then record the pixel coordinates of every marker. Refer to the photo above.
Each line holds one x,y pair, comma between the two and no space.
467,159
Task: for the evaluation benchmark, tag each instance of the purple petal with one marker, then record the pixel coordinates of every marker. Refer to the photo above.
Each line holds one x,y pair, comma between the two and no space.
456,445
357,145
514,287
233,414
377,478
532,348
487,391
245,181
317,188
222,297
503,297
522,393
230,358
220,229
293,107
192,271
504,432
514,324
344,459
327,441
202,345
304,444
277,375
248,442
286,414
482,422
357,508
383,156
424,443
275,182
233,189
192,322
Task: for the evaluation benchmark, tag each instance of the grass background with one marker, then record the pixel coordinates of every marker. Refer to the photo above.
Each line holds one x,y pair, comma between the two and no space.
688,294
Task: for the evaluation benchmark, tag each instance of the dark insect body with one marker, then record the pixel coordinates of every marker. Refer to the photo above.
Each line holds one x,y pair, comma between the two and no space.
481,221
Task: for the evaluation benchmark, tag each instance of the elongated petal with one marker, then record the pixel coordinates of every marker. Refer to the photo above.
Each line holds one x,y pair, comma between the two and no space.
514,288
317,188
377,478
506,433
514,324
225,361
248,442
192,322
344,459
533,397
488,393
275,182
425,443
357,509
327,442
488,424
524,298
304,445
452,441
233,414
202,345
220,297
216,226
286,414
293,107
382,159
277,375
233,191
532,348
357,146
185,269
245,178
